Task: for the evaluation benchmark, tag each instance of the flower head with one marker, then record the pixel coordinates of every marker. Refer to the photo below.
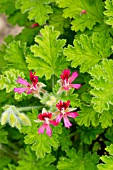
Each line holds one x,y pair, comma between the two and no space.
46,117
66,81
35,87
65,112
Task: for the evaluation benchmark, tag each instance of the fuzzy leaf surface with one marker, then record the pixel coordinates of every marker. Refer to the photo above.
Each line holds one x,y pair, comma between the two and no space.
94,13
48,58
88,51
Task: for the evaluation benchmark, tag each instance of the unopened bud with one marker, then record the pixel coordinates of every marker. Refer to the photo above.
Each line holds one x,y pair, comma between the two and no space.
4,118
25,120
12,119
83,12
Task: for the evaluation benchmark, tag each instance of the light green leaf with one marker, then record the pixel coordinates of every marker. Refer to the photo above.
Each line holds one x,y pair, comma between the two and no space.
88,51
102,85
37,10
78,161
88,116
48,58
15,55
94,13
109,12
107,160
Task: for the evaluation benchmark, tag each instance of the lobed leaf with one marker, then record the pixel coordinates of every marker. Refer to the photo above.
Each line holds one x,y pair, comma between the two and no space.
73,9
88,51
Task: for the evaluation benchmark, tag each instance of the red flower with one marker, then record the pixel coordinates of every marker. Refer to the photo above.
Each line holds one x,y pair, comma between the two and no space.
66,81
35,87
64,112
46,118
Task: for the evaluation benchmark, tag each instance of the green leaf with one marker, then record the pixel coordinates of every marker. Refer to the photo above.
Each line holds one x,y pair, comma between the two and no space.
3,135
37,10
48,58
42,143
15,55
102,85
88,51
58,21
78,161
7,6
87,116
73,9
29,161
8,79
109,12
107,160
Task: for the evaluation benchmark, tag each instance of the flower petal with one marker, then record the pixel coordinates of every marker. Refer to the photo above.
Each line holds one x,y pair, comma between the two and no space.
67,122
22,81
53,122
73,77
48,130
58,118
20,90
41,129
72,114
76,86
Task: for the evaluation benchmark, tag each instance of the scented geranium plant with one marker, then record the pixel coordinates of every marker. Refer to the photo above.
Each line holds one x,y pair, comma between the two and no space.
56,86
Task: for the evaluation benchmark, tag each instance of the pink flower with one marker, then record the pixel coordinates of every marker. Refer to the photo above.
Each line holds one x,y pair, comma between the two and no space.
35,87
46,118
66,81
83,12
64,112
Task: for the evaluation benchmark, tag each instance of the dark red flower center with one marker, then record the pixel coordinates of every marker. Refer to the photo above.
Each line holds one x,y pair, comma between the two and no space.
65,74
33,78
42,116
63,105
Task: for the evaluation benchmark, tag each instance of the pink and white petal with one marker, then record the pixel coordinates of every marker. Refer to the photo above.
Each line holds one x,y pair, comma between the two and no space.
66,88
41,129
58,118
29,91
22,81
72,114
53,122
20,90
73,77
76,86
67,122
48,130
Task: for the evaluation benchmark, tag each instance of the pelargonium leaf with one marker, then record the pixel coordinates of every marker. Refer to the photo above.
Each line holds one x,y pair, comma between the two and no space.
88,51
102,85
73,9
48,56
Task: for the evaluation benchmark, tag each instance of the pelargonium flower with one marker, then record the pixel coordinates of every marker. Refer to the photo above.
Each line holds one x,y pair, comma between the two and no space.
65,112
35,87
46,118
66,81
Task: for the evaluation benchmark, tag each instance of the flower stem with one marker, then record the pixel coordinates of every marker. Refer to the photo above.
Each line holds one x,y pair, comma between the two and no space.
29,108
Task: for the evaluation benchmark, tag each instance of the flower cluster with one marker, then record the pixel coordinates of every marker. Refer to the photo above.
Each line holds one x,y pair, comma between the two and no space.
63,111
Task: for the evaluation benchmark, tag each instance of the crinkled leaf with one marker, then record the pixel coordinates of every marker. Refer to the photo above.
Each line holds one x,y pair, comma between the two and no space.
48,58
109,12
107,160
102,85
3,135
73,9
78,161
37,10
42,143
58,21
88,116
7,6
88,51
15,55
